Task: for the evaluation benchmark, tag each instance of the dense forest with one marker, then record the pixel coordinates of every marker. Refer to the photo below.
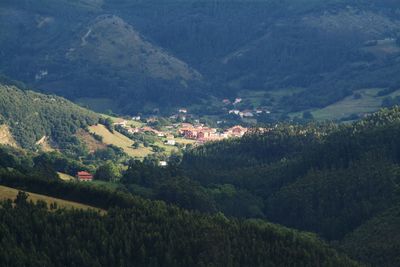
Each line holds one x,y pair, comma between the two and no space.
135,231
31,235
330,181
32,116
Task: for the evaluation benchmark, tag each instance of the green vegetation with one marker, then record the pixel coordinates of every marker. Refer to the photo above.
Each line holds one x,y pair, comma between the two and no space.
119,140
150,234
376,241
32,116
329,179
338,181
133,231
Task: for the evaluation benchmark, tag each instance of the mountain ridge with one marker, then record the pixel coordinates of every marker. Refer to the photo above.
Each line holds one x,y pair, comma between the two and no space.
327,50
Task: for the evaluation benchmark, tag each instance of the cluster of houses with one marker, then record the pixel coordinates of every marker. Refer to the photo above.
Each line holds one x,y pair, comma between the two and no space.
198,132
247,113
203,134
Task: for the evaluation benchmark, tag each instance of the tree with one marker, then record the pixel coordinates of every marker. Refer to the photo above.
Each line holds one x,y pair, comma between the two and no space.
108,172
21,199
136,145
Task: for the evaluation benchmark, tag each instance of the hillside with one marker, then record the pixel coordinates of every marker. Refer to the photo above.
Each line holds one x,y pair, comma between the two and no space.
11,193
147,233
340,181
136,56
376,241
110,41
119,140
34,119
83,53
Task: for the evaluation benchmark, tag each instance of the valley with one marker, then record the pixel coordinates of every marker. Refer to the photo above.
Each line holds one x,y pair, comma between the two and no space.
200,133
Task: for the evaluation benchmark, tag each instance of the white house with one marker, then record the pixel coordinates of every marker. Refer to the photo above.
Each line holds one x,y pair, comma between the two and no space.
170,142
136,118
234,111
163,163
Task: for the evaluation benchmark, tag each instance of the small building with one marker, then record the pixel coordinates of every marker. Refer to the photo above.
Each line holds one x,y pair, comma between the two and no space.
121,123
170,142
183,110
246,113
84,176
136,118
133,130
186,125
163,163
237,101
236,131
234,111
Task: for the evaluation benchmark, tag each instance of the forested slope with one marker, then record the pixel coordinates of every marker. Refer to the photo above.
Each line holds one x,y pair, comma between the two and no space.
32,116
150,236
328,180
136,232
377,241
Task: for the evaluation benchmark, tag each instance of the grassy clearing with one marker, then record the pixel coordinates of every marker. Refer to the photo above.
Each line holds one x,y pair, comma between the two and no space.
65,177
11,193
258,98
119,140
91,143
368,102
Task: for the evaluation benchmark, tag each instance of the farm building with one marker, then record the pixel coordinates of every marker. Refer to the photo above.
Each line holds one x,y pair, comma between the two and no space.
84,176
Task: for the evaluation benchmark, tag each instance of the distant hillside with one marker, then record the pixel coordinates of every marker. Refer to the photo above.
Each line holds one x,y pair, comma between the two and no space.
111,41
83,53
140,55
34,118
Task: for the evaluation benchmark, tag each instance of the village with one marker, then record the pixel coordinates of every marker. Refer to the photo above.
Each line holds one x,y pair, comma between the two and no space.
198,132
182,124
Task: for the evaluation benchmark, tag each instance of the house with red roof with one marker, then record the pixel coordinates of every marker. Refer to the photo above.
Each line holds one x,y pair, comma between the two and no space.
84,176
